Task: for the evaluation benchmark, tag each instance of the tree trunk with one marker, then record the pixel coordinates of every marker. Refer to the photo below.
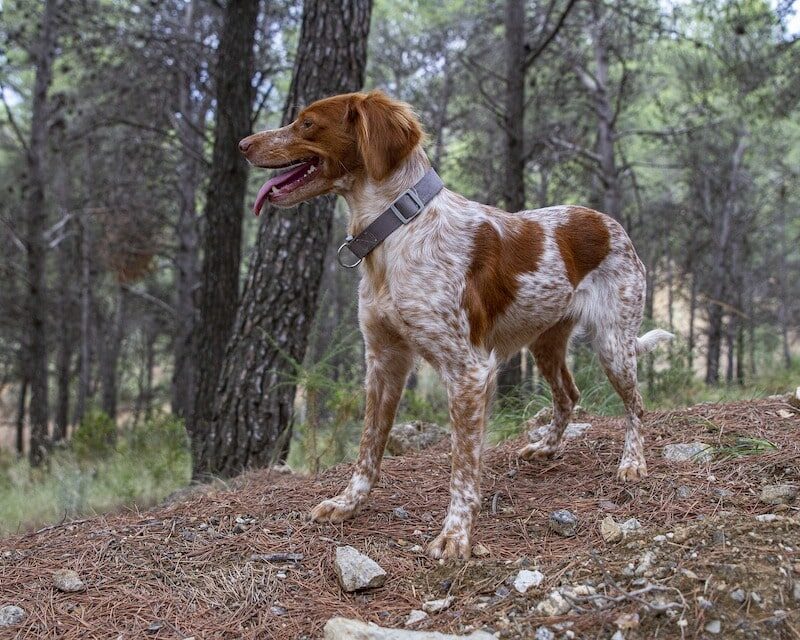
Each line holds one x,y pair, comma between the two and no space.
510,376
783,277
227,184
690,340
37,221
190,128
252,420
114,333
20,424
85,373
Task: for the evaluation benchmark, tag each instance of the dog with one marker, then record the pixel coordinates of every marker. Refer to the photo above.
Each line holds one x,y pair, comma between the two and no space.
461,284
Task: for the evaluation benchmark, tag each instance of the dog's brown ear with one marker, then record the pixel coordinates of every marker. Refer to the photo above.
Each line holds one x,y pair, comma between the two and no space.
386,132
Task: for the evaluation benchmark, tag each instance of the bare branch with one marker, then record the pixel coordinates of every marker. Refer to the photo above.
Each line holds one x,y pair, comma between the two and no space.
535,53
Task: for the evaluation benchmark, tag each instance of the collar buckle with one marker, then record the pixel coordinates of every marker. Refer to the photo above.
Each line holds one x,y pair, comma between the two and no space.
418,206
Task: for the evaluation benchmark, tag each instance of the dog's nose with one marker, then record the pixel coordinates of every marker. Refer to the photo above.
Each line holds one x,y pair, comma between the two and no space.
244,145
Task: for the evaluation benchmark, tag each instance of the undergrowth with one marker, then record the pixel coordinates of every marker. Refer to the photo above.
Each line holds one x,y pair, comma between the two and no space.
90,475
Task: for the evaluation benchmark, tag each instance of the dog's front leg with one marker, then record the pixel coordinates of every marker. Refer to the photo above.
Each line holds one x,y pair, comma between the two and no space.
389,359
470,394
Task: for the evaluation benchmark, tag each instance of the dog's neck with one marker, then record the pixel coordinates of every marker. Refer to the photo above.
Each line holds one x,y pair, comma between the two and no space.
368,199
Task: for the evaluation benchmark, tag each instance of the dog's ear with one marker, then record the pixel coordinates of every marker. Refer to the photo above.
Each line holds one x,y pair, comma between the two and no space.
386,132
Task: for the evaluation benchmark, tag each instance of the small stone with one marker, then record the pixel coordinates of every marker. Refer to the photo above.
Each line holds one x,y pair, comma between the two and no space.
778,494
660,539
11,615
645,563
278,610
618,635
573,431
683,492
783,413
400,513
627,621
480,551
714,627
610,530
526,579
690,574
357,571
769,517
542,417
629,526
553,605
414,617
543,633
155,626
416,549
755,597
738,595
796,590
681,535
688,452
68,581
347,629
502,591
704,603
563,522
435,606
413,436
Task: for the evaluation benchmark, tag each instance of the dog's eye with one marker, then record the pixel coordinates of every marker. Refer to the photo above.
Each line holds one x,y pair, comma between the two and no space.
307,124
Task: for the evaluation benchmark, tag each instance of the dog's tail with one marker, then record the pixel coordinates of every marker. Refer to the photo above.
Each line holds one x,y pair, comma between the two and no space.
651,340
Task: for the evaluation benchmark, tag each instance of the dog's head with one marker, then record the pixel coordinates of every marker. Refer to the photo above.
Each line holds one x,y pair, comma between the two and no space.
332,145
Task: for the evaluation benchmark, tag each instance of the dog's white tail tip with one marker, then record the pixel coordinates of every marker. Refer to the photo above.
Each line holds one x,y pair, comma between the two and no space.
651,340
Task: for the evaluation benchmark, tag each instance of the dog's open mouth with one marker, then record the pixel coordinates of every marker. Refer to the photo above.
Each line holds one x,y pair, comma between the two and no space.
280,186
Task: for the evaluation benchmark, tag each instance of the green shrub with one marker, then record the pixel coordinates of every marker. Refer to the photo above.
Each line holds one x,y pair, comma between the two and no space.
95,436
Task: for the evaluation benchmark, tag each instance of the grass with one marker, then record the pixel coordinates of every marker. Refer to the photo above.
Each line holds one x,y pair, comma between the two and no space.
140,469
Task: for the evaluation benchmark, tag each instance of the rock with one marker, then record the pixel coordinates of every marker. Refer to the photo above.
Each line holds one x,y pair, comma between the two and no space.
563,522
645,563
414,617
526,579
688,452
681,534
345,629
714,627
10,615
435,606
610,530
400,513
67,580
627,621
778,494
574,430
796,591
629,526
542,418
480,551
738,595
769,517
554,605
413,436
543,633
618,635
357,571
683,492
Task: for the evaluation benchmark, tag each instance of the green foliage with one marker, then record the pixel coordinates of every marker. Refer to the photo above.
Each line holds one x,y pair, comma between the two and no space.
95,436
145,466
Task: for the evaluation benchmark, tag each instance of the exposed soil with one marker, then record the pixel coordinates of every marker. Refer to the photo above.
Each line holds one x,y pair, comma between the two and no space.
185,569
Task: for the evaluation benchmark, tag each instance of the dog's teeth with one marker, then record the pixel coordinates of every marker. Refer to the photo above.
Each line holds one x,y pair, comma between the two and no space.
274,190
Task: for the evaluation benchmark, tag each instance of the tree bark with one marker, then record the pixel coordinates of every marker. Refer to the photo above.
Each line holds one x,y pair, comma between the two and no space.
37,220
85,372
225,201
112,343
252,420
783,277
20,423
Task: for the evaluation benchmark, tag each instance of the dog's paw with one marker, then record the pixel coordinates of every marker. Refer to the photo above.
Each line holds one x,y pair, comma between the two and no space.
336,509
538,450
451,545
632,471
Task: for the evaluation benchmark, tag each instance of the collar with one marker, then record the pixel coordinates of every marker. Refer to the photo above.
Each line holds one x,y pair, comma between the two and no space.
402,211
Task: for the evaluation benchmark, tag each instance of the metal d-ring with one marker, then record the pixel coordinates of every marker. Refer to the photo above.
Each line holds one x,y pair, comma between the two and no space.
346,243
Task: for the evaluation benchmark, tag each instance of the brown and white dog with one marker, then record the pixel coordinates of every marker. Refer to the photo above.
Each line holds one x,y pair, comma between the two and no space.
464,286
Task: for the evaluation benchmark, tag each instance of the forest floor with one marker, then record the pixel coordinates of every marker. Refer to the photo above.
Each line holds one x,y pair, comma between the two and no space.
703,564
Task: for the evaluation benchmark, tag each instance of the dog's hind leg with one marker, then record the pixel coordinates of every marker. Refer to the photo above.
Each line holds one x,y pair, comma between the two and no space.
389,360
550,351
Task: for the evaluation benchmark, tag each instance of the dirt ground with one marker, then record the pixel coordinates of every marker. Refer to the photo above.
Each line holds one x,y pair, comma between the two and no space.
703,565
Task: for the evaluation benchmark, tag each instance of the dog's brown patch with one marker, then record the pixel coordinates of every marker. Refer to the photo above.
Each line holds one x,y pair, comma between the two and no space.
583,241
492,275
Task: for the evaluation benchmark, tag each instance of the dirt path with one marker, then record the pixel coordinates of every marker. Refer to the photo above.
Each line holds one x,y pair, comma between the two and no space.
702,559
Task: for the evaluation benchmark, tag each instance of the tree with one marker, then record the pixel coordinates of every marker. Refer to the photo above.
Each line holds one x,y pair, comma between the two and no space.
224,204
252,418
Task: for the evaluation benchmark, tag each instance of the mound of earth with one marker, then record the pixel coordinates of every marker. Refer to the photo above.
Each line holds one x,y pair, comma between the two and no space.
710,559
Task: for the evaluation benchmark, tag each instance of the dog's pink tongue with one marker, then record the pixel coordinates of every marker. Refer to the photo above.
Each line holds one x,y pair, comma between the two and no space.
263,193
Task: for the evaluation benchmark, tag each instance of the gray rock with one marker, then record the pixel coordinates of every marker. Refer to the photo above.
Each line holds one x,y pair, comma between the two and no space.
414,617
553,605
629,526
67,580
688,452
400,513
646,563
683,492
526,579
543,633
357,571
796,591
435,606
10,615
738,595
714,627
346,629
413,436
542,417
563,522
574,430
778,494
